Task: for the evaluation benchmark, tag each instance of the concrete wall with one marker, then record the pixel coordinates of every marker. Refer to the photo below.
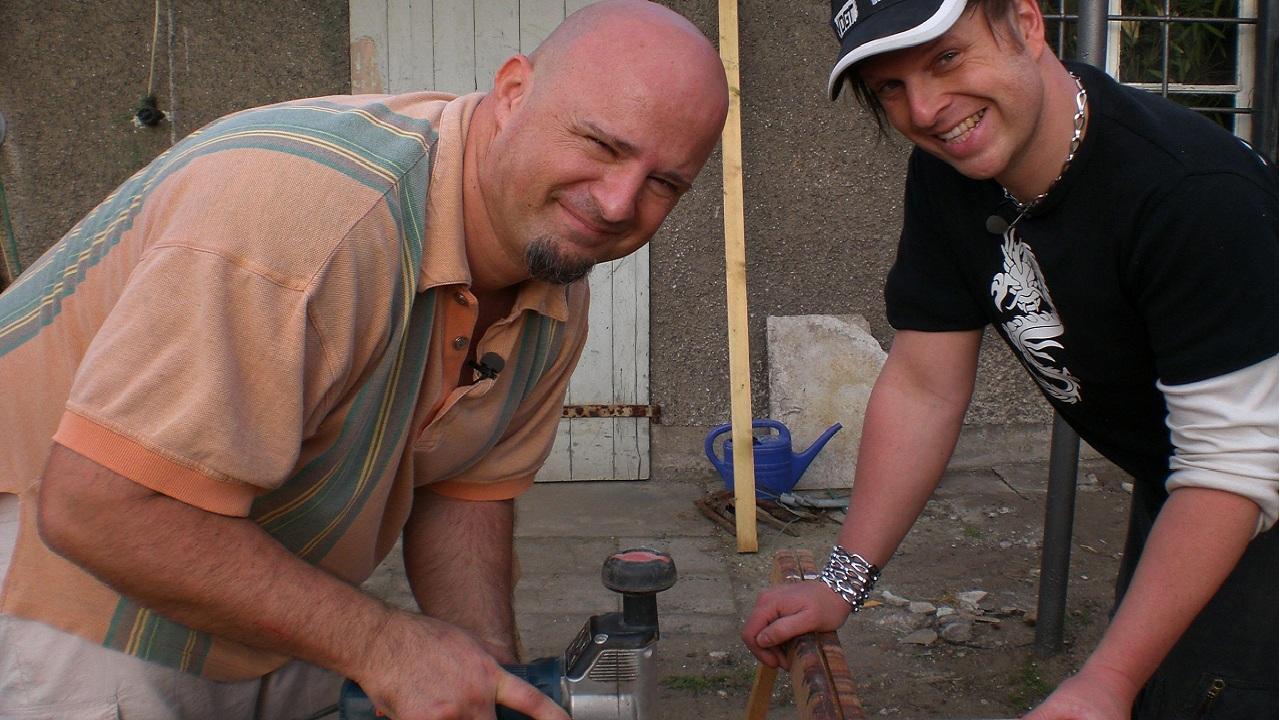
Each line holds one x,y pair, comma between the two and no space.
72,73
822,189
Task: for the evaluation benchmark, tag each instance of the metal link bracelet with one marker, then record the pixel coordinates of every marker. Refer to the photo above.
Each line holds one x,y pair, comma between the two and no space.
850,576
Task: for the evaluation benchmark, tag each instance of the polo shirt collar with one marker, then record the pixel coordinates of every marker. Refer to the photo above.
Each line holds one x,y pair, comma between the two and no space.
444,252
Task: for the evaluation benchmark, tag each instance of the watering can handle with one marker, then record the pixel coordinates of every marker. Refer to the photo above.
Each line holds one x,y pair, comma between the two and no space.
709,445
784,432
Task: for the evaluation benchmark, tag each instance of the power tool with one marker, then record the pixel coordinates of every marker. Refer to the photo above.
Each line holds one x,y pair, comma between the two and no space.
609,671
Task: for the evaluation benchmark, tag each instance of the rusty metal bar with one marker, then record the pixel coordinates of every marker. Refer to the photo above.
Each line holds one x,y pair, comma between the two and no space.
611,411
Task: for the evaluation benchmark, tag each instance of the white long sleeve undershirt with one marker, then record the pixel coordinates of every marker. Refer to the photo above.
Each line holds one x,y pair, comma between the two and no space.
1224,433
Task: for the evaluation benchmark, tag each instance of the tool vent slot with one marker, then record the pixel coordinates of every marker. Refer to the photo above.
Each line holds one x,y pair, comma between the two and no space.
615,666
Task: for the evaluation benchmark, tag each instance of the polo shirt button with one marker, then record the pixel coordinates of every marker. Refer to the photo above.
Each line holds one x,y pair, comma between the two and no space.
459,342
460,298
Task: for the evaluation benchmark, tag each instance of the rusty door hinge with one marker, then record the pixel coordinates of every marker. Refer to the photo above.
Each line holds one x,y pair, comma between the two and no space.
611,411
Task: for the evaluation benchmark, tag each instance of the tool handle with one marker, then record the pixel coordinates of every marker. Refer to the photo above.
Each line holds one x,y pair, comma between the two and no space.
543,673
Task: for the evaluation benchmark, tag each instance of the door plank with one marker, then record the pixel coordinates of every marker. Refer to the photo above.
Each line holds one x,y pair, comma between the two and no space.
455,46
497,31
537,19
368,21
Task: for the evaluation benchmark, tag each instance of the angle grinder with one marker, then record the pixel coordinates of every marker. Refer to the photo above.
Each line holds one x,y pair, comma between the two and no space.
609,671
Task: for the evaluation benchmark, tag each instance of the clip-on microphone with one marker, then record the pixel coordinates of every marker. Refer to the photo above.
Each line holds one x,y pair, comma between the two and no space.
996,225
489,366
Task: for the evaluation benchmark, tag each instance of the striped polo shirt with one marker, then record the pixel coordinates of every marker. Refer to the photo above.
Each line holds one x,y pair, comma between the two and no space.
270,321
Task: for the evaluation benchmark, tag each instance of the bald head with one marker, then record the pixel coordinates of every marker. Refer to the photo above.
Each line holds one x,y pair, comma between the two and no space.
618,40
583,147
609,22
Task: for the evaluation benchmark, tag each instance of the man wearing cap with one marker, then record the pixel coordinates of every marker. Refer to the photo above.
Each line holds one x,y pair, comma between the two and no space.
304,332
1125,249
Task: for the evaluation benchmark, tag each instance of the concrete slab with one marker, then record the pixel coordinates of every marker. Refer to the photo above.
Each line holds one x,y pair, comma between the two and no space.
610,509
700,594
559,555
821,370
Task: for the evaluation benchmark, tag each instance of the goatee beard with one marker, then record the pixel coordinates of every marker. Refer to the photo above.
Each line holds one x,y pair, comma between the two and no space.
546,262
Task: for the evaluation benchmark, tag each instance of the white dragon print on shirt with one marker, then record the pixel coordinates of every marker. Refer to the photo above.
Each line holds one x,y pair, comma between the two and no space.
1020,293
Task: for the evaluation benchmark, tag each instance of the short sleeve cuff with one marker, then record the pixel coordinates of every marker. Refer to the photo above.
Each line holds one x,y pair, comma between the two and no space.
126,457
461,490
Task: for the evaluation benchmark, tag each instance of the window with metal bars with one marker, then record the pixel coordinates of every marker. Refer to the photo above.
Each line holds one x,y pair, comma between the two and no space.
1200,53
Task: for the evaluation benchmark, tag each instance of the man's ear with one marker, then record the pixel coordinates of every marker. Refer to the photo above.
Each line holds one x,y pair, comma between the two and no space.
1028,22
511,86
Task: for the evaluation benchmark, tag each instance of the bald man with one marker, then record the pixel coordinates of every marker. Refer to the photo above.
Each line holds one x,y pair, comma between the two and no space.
301,333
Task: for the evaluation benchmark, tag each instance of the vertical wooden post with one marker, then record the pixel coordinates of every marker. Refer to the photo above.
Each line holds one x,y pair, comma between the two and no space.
735,262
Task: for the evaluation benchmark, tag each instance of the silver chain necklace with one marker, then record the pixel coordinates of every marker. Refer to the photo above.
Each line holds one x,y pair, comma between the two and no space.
1024,207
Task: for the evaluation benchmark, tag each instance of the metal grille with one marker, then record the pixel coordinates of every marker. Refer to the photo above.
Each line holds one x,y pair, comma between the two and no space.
615,666
1214,56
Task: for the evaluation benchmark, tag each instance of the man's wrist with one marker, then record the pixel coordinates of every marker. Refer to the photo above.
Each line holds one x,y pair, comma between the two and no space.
1114,679
850,576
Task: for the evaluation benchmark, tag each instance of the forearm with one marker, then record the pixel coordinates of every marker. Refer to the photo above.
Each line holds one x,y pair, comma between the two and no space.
1197,539
903,454
459,559
221,575
912,423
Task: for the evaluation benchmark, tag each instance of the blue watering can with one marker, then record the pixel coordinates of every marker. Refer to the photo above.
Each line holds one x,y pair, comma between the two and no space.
777,468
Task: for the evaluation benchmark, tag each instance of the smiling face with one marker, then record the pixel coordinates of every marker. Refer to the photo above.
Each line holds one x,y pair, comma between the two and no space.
975,97
595,143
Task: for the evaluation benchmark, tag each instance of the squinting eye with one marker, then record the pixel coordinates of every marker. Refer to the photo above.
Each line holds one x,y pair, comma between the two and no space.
886,88
665,187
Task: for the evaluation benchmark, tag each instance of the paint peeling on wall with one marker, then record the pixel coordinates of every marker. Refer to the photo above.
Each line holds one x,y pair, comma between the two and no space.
365,75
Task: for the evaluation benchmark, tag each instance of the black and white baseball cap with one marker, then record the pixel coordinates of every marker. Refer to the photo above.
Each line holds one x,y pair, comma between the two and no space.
871,27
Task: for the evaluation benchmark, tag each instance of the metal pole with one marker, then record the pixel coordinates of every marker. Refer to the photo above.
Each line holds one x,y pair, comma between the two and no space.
1263,136
1091,33
1064,449
1055,557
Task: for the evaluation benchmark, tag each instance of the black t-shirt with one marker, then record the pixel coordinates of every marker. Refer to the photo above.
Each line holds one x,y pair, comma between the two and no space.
1153,258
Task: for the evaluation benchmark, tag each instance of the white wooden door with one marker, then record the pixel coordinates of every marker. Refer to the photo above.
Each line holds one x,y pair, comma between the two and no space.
456,46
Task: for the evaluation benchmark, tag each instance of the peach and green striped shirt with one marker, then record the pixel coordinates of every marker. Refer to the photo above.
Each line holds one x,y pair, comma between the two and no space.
269,321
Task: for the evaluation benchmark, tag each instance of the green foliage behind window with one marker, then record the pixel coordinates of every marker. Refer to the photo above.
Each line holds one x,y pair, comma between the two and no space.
1199,53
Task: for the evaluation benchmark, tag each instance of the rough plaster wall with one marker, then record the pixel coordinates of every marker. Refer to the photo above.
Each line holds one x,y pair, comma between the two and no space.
71,74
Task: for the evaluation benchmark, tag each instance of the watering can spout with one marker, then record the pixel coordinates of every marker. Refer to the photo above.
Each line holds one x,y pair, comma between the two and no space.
800,461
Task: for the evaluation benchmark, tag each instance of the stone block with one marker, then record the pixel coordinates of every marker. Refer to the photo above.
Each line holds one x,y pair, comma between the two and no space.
821,369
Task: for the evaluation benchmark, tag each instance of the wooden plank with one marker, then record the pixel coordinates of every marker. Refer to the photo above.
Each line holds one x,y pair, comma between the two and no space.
735,257
497,26
454,38
558,468
592,382
761,692
628,453
640,293
410,46
537,19
820,677
368,28
591,448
